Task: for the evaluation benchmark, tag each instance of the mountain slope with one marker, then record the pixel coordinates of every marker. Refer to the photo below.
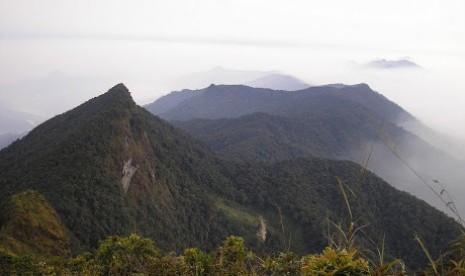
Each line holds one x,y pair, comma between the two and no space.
31,226
8,138
343,122
171,100
110,167
116,164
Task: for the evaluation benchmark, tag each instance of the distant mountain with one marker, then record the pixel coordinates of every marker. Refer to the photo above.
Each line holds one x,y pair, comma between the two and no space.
271,80
263,79
336,85
344,122
220,75
278,82
229,101
110,167
171,100
13,121
454,146
392,64
15,124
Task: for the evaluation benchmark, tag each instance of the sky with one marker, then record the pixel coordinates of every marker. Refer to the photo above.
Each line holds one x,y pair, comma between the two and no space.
56,54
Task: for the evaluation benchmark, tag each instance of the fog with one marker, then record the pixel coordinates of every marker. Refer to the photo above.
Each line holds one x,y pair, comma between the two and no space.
56,54
416,167
53,79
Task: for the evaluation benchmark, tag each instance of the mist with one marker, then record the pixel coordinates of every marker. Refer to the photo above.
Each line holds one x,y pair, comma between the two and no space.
431,94
418,168
57,54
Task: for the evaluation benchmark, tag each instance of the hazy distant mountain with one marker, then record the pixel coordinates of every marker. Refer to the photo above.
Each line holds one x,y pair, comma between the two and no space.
15,124
229,101
110,167
392,64
278,82
336,85
220,75
166,103
452,145
343,123
263,79
13,121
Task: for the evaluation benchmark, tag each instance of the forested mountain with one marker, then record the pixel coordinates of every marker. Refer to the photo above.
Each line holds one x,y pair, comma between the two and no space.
334,121
170,101
8,138
230,101
110,167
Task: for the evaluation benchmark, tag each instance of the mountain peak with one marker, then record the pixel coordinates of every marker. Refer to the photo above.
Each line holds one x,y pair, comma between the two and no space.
117,94
119,89
362,85
120,86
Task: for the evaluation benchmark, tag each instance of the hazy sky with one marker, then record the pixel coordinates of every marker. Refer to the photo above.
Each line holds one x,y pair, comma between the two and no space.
56,54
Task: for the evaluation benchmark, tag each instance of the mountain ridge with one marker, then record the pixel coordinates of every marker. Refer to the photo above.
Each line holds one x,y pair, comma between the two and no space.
110,167
331,122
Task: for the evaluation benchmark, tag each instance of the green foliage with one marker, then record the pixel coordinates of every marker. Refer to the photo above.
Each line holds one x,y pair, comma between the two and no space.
287,263
452,262
232,256
134,255
198,262
116,255
335,262
11,264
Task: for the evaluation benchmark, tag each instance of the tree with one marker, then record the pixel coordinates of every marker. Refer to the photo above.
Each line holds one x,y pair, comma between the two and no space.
125,255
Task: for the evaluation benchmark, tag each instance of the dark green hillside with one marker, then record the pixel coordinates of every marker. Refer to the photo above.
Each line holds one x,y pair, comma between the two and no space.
343,122
225,101
110,167
337,135
259,136
79,160
321,121
308,192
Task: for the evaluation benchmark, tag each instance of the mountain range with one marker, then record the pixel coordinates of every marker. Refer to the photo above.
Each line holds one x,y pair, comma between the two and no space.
345,122
110,167
219,75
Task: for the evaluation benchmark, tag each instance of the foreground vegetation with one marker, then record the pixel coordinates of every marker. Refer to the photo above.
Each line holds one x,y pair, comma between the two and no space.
134,255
